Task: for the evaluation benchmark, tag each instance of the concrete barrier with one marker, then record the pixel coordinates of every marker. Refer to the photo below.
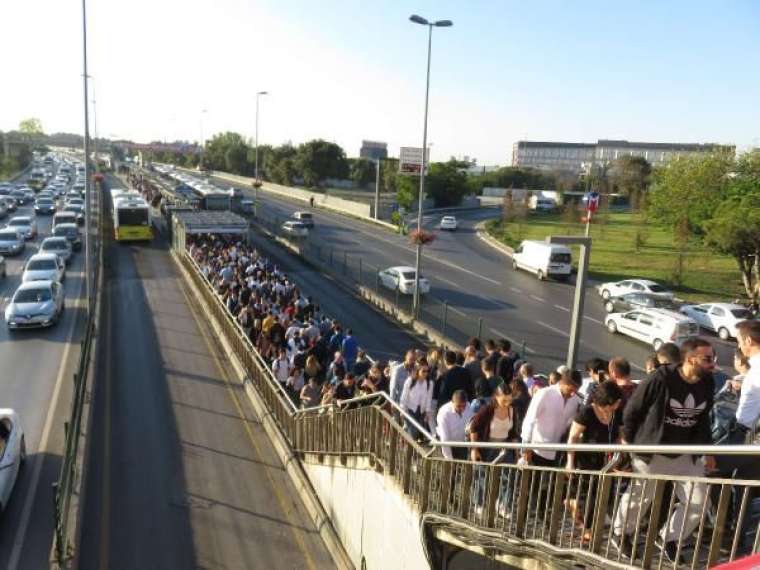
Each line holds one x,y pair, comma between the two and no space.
492,241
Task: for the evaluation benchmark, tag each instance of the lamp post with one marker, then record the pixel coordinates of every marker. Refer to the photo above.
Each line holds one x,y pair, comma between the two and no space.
417,267
200,161
87,171
257,182
377,189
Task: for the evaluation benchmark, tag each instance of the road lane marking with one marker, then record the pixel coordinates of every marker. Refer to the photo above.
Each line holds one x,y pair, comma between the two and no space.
277,491
449,282
537,298
31,492
516,290
553,328
513,341
561,308
593,320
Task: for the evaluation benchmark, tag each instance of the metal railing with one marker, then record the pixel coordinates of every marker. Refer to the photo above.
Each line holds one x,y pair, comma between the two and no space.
567,514
66,483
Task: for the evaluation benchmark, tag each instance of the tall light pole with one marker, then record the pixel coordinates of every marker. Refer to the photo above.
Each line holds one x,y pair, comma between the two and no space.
257,182
200,161
87,171
95,125
377,189
417,268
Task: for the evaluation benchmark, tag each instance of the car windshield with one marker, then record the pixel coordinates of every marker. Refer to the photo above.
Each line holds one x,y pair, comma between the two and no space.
560,258
62,231
304,216
8,236
18,223
32,296
657,288
409,275
41,265
741,313
662,304
51,244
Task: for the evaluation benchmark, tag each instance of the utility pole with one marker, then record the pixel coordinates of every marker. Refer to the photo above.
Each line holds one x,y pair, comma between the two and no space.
377,189
87,171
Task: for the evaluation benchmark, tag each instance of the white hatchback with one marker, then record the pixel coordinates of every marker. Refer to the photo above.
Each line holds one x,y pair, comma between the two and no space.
653,326
721,318
402,278
448,223
44,267
296,229
620,288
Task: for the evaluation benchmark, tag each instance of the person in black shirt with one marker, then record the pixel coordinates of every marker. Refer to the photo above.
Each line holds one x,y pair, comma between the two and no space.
672,406
505,365
346,389
455,378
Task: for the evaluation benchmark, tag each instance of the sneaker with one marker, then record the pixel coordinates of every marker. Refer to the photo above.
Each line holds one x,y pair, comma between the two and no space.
670,550
622,543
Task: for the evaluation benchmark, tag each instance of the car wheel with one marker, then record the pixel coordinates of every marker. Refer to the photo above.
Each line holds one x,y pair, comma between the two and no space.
723,333
540,275
657,344
605,294
22,451
609,307
612,327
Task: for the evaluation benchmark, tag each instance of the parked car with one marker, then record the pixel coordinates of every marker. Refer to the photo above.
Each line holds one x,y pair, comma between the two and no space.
619,288
448,223
44,267
653,326
543,259
58,245
35,304
721,318
305,218
632,301
44,206
12,453
296,229
25,225
402,278
70,232
11,241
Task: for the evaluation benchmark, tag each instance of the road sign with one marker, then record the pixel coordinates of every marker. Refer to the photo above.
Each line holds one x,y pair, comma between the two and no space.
410,160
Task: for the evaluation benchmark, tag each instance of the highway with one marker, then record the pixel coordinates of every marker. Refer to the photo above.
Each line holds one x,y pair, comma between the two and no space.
181,473
37,382
478,281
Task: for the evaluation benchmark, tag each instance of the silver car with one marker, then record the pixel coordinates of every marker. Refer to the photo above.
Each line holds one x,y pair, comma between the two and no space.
25,225
12,453
44,267
11,241
58,245
35,304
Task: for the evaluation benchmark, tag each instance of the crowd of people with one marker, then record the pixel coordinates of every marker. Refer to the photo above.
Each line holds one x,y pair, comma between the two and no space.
489,393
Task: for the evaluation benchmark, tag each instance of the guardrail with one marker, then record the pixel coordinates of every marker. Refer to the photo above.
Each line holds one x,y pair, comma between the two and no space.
65,486
570,515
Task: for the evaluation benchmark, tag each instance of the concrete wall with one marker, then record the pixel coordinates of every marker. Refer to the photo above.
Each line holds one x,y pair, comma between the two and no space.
385,532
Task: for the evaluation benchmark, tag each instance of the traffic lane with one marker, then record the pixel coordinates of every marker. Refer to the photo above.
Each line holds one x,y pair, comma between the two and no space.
182,473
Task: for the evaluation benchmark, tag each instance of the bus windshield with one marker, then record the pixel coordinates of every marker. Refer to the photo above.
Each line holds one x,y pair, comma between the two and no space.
133,217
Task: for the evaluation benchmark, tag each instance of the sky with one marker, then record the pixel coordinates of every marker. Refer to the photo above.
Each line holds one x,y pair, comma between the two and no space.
344,71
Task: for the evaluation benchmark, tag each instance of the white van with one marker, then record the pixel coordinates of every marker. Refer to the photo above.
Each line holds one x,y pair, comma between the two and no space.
542,204
543,259
653,326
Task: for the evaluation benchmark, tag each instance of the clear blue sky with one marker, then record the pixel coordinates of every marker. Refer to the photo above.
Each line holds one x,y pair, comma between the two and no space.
671,71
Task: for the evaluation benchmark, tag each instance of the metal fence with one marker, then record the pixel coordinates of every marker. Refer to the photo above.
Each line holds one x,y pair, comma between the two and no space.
451,322
569,514
64,487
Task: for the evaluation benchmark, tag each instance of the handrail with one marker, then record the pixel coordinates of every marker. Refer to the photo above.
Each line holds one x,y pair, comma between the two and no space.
432,441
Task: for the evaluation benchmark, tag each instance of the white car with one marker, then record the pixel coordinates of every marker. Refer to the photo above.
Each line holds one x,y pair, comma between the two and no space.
12,453
653,326
296,229
402,278
44,267
721,318
448,223
24,225
620,288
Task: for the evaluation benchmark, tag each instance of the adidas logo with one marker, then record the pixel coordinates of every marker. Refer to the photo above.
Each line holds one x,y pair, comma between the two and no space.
687,409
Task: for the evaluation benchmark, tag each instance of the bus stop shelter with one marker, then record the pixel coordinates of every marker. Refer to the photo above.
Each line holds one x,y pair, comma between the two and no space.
198,222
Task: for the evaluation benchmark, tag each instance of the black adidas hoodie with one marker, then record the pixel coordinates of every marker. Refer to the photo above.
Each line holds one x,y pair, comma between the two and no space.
666,397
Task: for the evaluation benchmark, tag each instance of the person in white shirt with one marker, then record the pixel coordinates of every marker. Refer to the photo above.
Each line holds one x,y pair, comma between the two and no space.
399,375
452,421
281,367
549,416
417,399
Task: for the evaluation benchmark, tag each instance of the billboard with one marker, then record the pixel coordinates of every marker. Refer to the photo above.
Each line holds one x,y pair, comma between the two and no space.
410,160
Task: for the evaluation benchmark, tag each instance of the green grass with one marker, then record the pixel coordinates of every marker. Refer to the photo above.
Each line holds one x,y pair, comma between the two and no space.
705,276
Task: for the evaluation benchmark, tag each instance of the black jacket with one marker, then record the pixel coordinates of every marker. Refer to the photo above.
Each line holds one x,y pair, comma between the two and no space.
644,414
455,378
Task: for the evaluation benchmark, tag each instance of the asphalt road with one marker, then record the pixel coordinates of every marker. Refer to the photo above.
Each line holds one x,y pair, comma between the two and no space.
37,382
478,282
181,473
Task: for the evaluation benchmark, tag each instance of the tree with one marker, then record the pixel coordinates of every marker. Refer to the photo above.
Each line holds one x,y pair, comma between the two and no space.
407,190
362,171
31,126
629,175
280,164
319,160
389,173
226,151
735,230
446,184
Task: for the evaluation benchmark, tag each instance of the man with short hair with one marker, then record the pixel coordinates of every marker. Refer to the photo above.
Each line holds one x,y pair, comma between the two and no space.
452,421
671,407
748,340
550,413
669,353
400,373
620,371
472,363
362,364
455,378
505,366
349,348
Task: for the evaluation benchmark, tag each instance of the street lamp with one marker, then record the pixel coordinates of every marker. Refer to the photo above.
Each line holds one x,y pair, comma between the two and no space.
438,24
200,162
256,181
87,171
